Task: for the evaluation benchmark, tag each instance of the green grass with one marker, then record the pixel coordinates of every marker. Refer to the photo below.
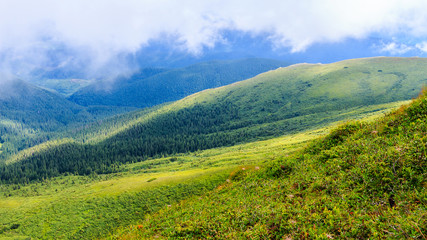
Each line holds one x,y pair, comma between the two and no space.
61,201
364,180
64,207
95,206
83,207
294,101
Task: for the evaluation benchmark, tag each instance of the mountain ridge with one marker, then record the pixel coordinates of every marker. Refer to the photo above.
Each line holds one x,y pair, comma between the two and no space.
30,115
174,84
279,102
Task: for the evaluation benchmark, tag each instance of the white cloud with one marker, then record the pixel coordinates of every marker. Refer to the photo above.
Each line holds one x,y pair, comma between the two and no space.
98,30
396,48
422,46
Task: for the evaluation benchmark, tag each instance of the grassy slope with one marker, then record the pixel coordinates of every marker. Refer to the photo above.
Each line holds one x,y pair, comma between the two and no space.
363,180
85,225
64,207
274,103
93,206
304,90
347,80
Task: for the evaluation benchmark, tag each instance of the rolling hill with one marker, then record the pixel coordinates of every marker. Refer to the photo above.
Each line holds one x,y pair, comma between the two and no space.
279,102
153,86
94,206
362,181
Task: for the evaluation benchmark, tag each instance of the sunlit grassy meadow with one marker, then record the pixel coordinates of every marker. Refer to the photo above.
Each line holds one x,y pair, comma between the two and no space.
96,205
91,206
364,180
96,180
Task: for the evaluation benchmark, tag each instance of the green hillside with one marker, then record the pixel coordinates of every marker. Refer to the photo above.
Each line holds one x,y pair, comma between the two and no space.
35,107
275,103
155,86
87,207
45,209
27,113
362,181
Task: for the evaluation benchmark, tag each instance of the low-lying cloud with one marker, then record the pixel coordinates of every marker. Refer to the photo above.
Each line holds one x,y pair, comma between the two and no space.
92,34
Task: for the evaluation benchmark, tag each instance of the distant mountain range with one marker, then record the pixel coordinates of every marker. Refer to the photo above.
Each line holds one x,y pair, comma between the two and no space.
153,86
30,115
33,112
25,103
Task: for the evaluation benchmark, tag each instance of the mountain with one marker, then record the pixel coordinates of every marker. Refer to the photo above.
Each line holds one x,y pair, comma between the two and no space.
337,187
36,107
362,181
279,102
65,87
30,115
155,87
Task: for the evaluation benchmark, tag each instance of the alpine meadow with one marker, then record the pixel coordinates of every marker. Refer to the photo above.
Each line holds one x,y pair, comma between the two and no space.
116,172
213,119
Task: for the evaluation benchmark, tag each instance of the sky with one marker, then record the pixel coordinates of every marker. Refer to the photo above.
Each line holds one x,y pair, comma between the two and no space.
99,37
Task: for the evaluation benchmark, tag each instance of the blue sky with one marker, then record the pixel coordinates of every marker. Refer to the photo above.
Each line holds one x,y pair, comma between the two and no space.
98,34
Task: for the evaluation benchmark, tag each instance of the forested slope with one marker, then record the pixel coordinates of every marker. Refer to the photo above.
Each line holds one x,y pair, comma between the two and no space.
275,103
28,112
30,115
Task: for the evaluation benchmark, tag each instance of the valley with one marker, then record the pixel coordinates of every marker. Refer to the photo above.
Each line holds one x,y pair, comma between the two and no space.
33,113
104,170
213,119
